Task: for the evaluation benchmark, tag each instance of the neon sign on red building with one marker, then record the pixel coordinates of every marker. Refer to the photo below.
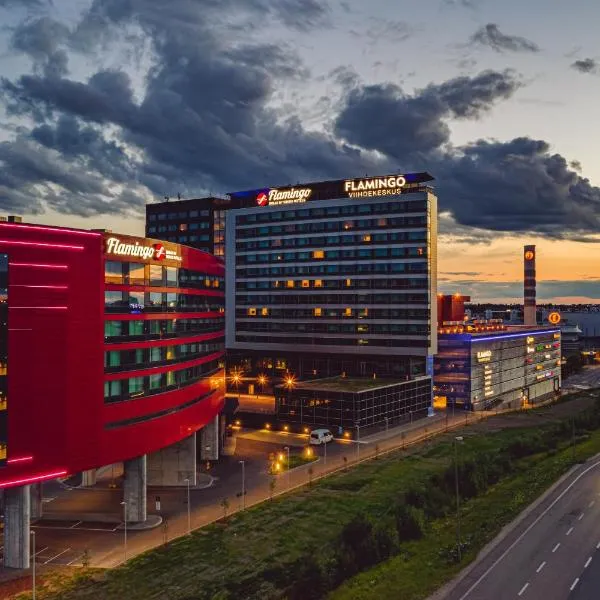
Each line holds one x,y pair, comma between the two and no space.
109,354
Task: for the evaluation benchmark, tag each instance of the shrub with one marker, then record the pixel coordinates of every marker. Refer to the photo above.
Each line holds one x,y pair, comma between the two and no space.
409,523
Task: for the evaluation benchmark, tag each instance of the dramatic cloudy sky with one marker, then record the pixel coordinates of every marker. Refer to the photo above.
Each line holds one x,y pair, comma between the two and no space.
108,104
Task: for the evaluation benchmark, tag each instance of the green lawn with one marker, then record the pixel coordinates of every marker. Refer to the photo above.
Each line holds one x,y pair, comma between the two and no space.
258,553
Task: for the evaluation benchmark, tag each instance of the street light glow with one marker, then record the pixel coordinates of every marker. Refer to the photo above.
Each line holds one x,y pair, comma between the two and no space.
262,379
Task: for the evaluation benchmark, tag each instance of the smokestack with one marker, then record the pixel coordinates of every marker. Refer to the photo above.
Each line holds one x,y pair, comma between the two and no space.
529,310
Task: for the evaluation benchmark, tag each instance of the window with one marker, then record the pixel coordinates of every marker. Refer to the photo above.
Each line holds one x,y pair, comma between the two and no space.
156,275
113,272
113,328
290,283
318,312
155,381
251,312
112,359
318,254
136,386
112,389
136,328
318,283
366,238
264,312
348,312
151,217
113,298
171,276
183,227
305,283
136,273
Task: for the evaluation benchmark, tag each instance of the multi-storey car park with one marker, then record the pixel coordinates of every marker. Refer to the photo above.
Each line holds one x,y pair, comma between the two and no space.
111,349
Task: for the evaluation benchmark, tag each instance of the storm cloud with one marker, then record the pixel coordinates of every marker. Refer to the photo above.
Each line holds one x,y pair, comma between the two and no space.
204,119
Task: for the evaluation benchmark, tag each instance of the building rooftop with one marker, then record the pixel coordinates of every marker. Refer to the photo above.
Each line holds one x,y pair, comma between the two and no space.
346,384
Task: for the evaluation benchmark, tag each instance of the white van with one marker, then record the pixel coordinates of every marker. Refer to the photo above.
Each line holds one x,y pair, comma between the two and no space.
320,436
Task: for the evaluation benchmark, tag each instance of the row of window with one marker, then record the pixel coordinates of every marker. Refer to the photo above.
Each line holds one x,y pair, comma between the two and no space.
136,302
200,240
332,284
140,358
328,299
350,328
332,226
140,387
419,266
120,331
173,227
290,341
156,275
350,254
333,313
334,240
182,214
334,211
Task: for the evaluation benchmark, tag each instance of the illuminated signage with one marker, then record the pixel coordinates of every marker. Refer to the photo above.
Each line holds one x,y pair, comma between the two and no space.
144,251
529,255
530,349
376,186
276,196
556,336
4,318
484,355
554,318
530,340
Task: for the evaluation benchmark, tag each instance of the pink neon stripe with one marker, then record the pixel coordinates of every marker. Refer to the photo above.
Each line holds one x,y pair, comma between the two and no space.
49,287
20,459
31,479
12,264
42,244
55,229
45,307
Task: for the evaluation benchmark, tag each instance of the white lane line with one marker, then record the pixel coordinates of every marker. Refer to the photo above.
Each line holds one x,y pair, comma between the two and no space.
574,584
523,589
75,560
540,567
78,523
55,557
580,516
591,504
587,563
529,528
558,546
569,532
42,550
598,546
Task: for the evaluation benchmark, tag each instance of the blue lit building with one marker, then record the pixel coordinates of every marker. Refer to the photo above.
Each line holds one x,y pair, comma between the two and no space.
479,366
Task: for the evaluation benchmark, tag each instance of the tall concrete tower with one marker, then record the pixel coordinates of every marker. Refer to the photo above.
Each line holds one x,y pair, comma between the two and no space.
529,309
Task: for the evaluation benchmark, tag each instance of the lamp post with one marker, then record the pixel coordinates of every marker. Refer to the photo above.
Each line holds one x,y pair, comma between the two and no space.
458,544
262,380
287,450
386,424
187,481
243,463
357,441
32,564
124,505
290,380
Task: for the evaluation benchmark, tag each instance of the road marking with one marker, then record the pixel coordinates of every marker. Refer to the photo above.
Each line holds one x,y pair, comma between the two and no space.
74,560
70,528
557,547
540,567
78,523
524,588
42,550
580,516
591,504
47,500
55,557
587,563
528,529
574,584
598,546
569,532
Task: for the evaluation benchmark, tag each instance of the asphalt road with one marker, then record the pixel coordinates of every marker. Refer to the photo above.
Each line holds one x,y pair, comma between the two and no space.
552,554
589,377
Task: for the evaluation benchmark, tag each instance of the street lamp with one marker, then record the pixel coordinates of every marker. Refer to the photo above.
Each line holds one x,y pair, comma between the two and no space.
188,507
262,380
33,564
386,424
243,463
287,449
124,505
457,439
236,378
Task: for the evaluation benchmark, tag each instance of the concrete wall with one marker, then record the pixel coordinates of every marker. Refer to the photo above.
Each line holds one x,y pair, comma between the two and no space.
171,466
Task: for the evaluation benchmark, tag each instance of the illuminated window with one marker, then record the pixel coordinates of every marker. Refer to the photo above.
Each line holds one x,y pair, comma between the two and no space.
420,251
318,254
348,282
305,283
318,283
348,312
382,222
290,283
366,238
264,312
276,284
318,312
251,312
183,227
364,313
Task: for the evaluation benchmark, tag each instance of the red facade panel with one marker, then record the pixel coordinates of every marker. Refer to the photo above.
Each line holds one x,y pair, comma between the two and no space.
57,416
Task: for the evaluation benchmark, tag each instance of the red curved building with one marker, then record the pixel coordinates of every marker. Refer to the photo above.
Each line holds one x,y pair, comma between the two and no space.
112,348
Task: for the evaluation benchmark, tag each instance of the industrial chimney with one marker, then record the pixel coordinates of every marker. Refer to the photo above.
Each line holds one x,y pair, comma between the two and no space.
529,310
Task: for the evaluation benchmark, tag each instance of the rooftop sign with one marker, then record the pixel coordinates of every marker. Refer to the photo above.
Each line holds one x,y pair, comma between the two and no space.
143,249
366,187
